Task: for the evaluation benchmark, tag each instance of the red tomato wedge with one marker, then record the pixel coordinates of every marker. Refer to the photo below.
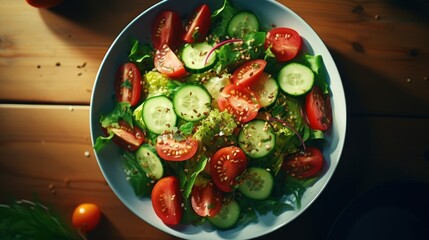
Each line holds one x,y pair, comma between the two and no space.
248,73
318,110
285,43
240,101
167,29
176,148
226,165
199,25
167,200
167,62
128,86
304,164
206,200
127,137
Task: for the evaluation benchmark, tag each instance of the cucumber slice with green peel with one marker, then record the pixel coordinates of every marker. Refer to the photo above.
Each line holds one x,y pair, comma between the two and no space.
257,183
296,79
158,115
257,138
150,162
194,57
192,102
227,217
267,89
242,24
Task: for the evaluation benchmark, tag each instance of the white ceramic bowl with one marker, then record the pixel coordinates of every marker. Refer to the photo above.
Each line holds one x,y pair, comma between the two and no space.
269,12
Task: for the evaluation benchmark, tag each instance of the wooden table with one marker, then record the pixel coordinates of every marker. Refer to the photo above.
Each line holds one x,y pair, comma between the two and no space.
48,63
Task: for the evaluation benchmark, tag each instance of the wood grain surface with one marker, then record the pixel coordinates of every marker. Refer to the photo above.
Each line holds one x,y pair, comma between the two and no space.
49,59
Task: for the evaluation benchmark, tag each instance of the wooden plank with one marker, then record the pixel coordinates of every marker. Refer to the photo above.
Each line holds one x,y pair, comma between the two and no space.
383,66
43,150
54,55
380,48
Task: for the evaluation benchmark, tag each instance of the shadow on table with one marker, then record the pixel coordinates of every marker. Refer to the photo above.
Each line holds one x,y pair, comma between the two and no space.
105,230
105,17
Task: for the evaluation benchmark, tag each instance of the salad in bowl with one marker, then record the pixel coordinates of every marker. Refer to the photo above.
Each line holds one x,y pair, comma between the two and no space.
225,119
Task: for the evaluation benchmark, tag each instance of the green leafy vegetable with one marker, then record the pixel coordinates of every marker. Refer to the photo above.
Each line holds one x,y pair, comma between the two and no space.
187,128
122,111
102,141
215,124
315,62
141,183
220,20
141,55
201,164
127,84
31,220
232,55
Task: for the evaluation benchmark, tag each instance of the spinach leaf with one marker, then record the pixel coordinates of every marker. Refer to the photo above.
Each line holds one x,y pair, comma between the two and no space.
232,55
220,20
141,55
139,180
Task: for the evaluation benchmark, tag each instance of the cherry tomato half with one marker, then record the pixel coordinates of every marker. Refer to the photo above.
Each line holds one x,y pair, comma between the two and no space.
285,43
128,86
240,101
86,217
167,29
43,3
127,137
304,164
173,148
167,200
249,73
199,25
206,199
226,165
318,110
167,62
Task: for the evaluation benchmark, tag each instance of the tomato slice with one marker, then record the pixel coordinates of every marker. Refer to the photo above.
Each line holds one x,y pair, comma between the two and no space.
285,43
175,147
240,101
226,165
304,164
167,29
249,73
199,25
167,62
318,110
167,200
206,199
128,86
127,137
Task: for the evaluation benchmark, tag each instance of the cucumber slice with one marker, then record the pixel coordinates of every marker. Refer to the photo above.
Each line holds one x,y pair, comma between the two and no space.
257,138
267,90
296,79
194,57
158,115
242,24
192,102
150,162
227,217
257,183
